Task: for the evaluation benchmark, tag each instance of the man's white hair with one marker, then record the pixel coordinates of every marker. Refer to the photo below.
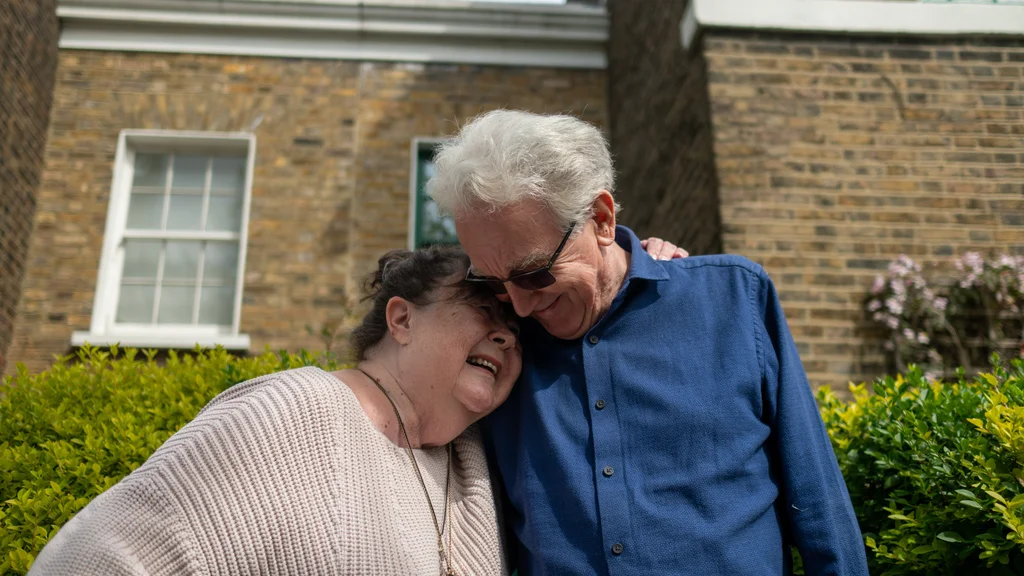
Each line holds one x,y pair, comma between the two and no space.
506,156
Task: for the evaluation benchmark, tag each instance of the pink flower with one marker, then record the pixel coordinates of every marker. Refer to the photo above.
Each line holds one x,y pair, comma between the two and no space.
940,304
892,322
894,306
874,305
907,262
908,334
922,338
878,285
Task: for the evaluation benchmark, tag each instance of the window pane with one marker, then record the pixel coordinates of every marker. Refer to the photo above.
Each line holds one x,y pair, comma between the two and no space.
431,226
176,304
181,260
224,214
221,262
189,173
435,228
150,170
216,305
141,259
185,212
136,303
228,174
145,211
429,169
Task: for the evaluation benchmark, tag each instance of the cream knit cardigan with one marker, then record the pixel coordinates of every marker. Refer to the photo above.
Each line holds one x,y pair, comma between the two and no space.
284,474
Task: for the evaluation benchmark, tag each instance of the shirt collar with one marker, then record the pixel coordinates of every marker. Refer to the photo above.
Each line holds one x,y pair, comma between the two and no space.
641,265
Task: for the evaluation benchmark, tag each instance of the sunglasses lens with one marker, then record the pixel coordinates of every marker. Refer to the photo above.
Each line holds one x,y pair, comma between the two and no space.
535,280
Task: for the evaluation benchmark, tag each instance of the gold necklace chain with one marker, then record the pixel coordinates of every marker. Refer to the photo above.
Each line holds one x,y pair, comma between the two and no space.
447,567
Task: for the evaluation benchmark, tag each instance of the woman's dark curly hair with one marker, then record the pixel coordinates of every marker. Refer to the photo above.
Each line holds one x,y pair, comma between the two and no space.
414,276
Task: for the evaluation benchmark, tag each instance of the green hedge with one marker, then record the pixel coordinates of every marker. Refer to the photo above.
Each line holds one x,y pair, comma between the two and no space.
936,471
68,434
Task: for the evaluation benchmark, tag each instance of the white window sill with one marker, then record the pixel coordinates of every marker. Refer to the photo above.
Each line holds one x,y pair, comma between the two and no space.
156,340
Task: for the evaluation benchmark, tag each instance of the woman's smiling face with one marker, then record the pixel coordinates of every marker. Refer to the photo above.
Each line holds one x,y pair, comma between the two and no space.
466,350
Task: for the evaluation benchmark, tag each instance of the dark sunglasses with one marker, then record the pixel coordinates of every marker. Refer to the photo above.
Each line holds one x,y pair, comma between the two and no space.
530,280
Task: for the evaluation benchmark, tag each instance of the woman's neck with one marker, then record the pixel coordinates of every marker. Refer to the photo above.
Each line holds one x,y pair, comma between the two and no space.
367,381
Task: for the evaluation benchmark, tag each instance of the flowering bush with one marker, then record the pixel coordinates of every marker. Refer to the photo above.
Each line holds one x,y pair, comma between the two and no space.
905,304
994,287
955,321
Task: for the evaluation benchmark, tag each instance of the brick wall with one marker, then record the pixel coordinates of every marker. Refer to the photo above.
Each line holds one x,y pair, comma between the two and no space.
836,155
660,127
28,59
831,156
331,181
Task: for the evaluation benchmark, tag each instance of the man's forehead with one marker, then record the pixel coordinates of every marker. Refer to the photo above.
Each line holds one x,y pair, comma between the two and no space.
509,255
507,240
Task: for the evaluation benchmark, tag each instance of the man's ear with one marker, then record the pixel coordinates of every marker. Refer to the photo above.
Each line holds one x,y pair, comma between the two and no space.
604,218
398,315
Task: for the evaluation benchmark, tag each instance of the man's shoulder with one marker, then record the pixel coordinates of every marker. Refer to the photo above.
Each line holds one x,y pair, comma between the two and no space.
714,264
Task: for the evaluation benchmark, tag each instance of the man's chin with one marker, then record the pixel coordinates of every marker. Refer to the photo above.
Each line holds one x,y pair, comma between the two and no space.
559,328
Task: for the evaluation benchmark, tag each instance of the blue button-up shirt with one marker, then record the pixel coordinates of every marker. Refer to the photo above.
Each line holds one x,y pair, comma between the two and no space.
678,436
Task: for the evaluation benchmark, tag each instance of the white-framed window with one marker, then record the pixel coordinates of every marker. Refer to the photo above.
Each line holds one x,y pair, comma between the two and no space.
427,225
171,272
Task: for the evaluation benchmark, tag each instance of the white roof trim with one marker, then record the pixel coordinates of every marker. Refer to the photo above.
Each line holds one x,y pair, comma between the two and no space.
853,17
567,36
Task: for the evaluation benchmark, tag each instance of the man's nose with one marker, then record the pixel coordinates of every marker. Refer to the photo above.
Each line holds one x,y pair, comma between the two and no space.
522,300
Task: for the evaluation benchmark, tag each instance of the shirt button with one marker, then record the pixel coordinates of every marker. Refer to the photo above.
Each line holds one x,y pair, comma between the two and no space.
599,404
608,470
593,338
617,548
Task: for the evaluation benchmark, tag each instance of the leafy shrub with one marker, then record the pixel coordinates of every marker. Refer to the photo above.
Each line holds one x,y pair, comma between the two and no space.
69,433
936,470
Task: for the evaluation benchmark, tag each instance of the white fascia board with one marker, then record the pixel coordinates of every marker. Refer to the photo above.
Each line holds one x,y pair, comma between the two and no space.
853,17
568,36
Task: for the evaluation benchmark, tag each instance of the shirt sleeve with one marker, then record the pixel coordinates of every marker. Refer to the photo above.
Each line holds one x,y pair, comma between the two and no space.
819,516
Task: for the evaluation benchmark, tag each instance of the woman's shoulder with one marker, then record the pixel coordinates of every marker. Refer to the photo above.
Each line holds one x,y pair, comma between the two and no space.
297,408
299,385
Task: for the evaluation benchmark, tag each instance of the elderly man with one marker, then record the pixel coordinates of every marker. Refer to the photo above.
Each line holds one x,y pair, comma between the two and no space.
663,423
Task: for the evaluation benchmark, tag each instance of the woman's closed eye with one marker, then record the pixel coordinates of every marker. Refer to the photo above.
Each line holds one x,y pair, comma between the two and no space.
495,311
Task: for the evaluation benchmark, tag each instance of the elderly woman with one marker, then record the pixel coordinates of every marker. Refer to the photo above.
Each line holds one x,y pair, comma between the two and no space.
372,470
